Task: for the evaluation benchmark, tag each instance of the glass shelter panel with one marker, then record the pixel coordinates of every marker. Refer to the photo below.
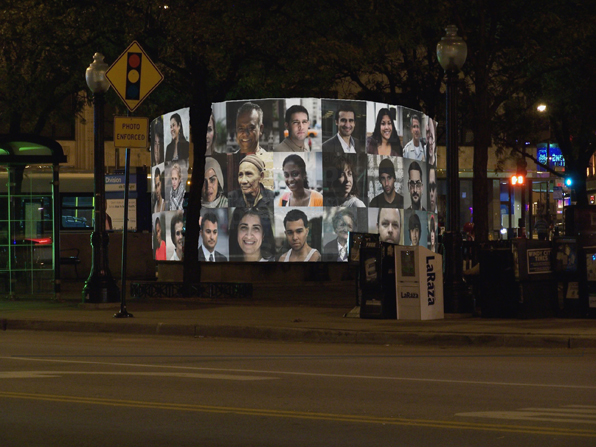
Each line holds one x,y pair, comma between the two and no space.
77,211
26,229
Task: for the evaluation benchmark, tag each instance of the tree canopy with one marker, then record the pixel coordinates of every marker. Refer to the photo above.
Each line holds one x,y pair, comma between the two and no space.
41,43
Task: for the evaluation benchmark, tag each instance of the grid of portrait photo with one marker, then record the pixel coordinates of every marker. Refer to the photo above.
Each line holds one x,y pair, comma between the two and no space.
287,180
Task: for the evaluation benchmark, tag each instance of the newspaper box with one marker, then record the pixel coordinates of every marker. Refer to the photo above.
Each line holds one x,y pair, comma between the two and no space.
418,283
377,282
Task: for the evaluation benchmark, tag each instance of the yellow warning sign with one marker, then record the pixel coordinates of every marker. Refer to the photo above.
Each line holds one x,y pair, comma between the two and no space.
134,76
131,132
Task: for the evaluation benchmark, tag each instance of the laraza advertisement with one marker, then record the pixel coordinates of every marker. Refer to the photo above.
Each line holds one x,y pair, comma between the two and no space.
286,180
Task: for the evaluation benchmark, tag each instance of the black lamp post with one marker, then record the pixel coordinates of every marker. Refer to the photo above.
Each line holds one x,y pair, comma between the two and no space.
451,53
543,108
100,287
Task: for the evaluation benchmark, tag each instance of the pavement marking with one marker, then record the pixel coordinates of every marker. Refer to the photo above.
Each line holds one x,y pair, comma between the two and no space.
454,425
576,414
308,374
184,375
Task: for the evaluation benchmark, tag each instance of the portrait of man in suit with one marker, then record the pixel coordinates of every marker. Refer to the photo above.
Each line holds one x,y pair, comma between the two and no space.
209,233
343,141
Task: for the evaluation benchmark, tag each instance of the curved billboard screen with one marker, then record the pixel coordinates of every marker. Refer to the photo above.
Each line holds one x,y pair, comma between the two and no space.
286,180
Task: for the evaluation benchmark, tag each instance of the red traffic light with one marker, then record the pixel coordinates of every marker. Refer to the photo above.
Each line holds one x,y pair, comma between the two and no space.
134,60
517,180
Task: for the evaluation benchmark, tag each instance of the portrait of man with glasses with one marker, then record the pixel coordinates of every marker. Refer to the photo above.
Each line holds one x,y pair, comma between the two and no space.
415,186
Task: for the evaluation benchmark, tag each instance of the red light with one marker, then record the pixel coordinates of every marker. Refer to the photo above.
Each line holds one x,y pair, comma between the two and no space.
41,240
134,60
517,180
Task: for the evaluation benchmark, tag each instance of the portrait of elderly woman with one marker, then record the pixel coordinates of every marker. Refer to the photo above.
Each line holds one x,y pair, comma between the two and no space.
342,182
384,139
213,188
251,235
343,221
252,193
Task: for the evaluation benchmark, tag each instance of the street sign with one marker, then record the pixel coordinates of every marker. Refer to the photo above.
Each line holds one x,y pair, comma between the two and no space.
131,132
133,76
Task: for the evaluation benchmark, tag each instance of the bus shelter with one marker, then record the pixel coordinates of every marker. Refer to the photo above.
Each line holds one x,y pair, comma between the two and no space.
29,200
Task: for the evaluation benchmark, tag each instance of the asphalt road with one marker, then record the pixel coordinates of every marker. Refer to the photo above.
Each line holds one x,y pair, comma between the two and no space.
72,389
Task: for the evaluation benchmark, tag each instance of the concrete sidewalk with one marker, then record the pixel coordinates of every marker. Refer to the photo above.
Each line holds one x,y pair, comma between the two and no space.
267,320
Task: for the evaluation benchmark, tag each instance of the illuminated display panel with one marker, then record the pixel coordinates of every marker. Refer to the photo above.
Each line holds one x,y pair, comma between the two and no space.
549,155
286,180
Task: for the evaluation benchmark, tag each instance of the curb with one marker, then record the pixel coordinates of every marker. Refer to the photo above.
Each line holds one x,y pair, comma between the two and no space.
310,335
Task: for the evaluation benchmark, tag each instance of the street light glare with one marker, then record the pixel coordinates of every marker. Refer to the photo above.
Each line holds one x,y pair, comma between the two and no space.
541,108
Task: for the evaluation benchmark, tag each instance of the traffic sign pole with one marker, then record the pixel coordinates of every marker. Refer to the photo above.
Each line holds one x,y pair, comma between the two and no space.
134,77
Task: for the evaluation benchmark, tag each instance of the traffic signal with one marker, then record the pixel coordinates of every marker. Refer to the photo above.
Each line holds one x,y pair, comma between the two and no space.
568,182
133,76
518,180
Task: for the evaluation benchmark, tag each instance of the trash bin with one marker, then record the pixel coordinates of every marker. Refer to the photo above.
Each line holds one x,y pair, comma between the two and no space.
498,293
579,272
534,275
571,274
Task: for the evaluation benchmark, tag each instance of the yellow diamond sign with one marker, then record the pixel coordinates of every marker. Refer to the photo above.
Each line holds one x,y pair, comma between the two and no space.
134,76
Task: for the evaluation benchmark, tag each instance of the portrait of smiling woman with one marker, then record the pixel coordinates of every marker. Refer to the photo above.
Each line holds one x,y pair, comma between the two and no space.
178,149
251,235
299,194
384,139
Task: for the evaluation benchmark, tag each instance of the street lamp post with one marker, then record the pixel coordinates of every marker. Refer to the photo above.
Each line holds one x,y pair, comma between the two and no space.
100,287
543,108
451,53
